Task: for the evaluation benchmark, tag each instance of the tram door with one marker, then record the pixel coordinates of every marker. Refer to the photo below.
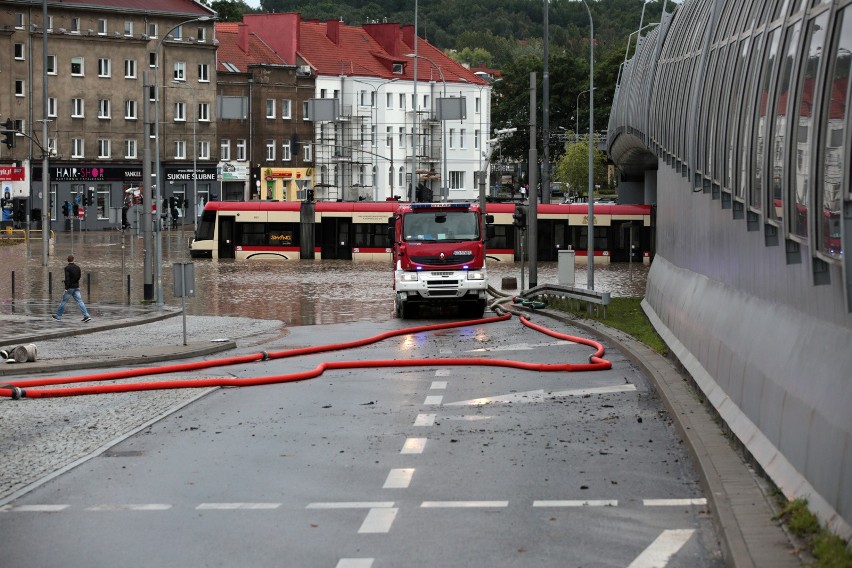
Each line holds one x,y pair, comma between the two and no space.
336,238
226,237
546,250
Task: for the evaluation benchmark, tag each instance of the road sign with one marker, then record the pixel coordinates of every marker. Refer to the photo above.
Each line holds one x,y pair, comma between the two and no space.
81,214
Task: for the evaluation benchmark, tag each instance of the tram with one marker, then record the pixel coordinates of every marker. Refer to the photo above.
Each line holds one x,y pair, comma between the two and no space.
294,230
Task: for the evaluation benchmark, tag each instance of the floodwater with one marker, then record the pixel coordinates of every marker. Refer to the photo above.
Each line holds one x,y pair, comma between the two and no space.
298,292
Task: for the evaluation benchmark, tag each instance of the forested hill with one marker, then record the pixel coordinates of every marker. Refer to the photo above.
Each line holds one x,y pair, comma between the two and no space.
498,26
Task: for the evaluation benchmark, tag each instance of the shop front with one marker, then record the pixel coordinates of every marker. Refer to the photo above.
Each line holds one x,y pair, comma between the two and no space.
234,177
284,184
186,193
93,189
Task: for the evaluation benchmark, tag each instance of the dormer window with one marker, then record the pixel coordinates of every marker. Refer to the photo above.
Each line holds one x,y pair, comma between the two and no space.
397,68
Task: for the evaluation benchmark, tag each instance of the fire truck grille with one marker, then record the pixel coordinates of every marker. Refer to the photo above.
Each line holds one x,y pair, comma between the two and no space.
438,261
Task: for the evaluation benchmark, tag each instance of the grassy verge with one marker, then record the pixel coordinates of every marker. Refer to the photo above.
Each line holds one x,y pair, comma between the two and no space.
829,549
626,315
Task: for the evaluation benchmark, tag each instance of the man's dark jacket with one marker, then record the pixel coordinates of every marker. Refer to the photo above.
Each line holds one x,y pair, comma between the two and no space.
72,276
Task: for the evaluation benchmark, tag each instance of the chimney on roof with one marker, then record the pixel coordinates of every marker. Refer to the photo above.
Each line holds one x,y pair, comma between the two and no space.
332,31
243,37
408,36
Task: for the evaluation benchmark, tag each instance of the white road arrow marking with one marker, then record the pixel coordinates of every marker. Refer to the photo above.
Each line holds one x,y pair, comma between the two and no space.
540,395
658,554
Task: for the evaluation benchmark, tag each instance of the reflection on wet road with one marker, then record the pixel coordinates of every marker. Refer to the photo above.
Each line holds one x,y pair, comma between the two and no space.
300,293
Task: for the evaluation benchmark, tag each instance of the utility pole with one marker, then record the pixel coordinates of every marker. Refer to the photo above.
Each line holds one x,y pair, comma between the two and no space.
148,273
532,219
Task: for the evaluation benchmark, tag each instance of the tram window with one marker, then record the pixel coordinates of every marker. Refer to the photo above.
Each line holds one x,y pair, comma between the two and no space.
207,226
282,234
371,235
251,234
501,238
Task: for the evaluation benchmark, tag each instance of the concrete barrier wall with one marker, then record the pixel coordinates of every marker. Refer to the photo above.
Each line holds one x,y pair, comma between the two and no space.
768,348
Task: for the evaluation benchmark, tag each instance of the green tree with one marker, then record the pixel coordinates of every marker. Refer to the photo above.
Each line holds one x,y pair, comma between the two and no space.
230,10
573,167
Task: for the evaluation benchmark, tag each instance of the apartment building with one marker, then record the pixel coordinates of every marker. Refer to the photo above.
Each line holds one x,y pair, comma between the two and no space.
105,65
376,124
265,135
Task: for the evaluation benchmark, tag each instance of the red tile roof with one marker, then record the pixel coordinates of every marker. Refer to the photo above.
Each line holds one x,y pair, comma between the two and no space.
231,48
177,7
333,48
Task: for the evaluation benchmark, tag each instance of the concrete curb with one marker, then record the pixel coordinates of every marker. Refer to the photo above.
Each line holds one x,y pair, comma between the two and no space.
741,511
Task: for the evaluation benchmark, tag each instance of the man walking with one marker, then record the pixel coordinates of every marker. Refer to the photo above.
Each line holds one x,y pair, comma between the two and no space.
72,290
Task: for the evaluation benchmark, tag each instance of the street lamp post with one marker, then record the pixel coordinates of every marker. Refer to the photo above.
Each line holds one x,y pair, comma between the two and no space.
577,115
590,246
445,180
375,135
159,200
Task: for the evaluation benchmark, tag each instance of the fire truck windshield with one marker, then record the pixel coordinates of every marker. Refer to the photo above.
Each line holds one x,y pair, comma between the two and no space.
437,226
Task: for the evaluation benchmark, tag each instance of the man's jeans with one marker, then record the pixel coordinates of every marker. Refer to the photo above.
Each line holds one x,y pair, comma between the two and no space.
72,293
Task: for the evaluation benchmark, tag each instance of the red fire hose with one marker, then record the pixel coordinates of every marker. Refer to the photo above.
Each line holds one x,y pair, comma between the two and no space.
23,388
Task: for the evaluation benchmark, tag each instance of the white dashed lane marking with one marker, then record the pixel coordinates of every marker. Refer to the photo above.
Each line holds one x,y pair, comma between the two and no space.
131,507
351,505
438,385
378,521
577,503
673,502
236,506
442,373
425,420
521,346
399,478
463,504
34,508
433,400
413,446
355,563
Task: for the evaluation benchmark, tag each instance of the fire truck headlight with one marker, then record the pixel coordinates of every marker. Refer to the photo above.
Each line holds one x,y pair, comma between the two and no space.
476,275
409,277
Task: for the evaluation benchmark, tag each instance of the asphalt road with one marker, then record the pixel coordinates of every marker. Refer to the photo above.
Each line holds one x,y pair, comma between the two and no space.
383,467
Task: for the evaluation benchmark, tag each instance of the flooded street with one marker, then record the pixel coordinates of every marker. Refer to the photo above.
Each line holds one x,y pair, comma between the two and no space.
300,292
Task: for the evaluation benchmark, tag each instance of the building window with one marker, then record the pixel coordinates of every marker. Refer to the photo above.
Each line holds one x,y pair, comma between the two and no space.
389,100
77,148
51,65
305,115
104,67
19,88
476,139
388,136
77,108
103,148
180,150
452,136
204,150
129,68
225,150
177,33
285,108
201,35
203,112
308,154
401,177
152,59
130,148
19,51
241,150
203,73
180,112
128,28
77,66
401,143
461,138
50,23
373,132
456,180
104,108
102,27
402,101
102,201
51,107
75,25
19,20
270,150
152,31
270,108
180,71
130,110
51,146
477,105
286,151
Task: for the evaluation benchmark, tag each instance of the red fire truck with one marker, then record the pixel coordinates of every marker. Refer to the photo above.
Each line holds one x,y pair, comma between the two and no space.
439,257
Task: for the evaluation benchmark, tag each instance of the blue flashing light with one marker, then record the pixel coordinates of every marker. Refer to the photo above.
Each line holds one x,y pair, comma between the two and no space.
464,267
419,268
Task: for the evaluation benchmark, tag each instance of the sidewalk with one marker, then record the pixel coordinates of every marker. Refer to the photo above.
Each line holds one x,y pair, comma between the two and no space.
29,322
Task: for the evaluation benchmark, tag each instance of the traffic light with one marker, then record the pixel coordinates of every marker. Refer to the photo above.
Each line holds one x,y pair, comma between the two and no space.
20,213
76,209
9,133
520,216
66,209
